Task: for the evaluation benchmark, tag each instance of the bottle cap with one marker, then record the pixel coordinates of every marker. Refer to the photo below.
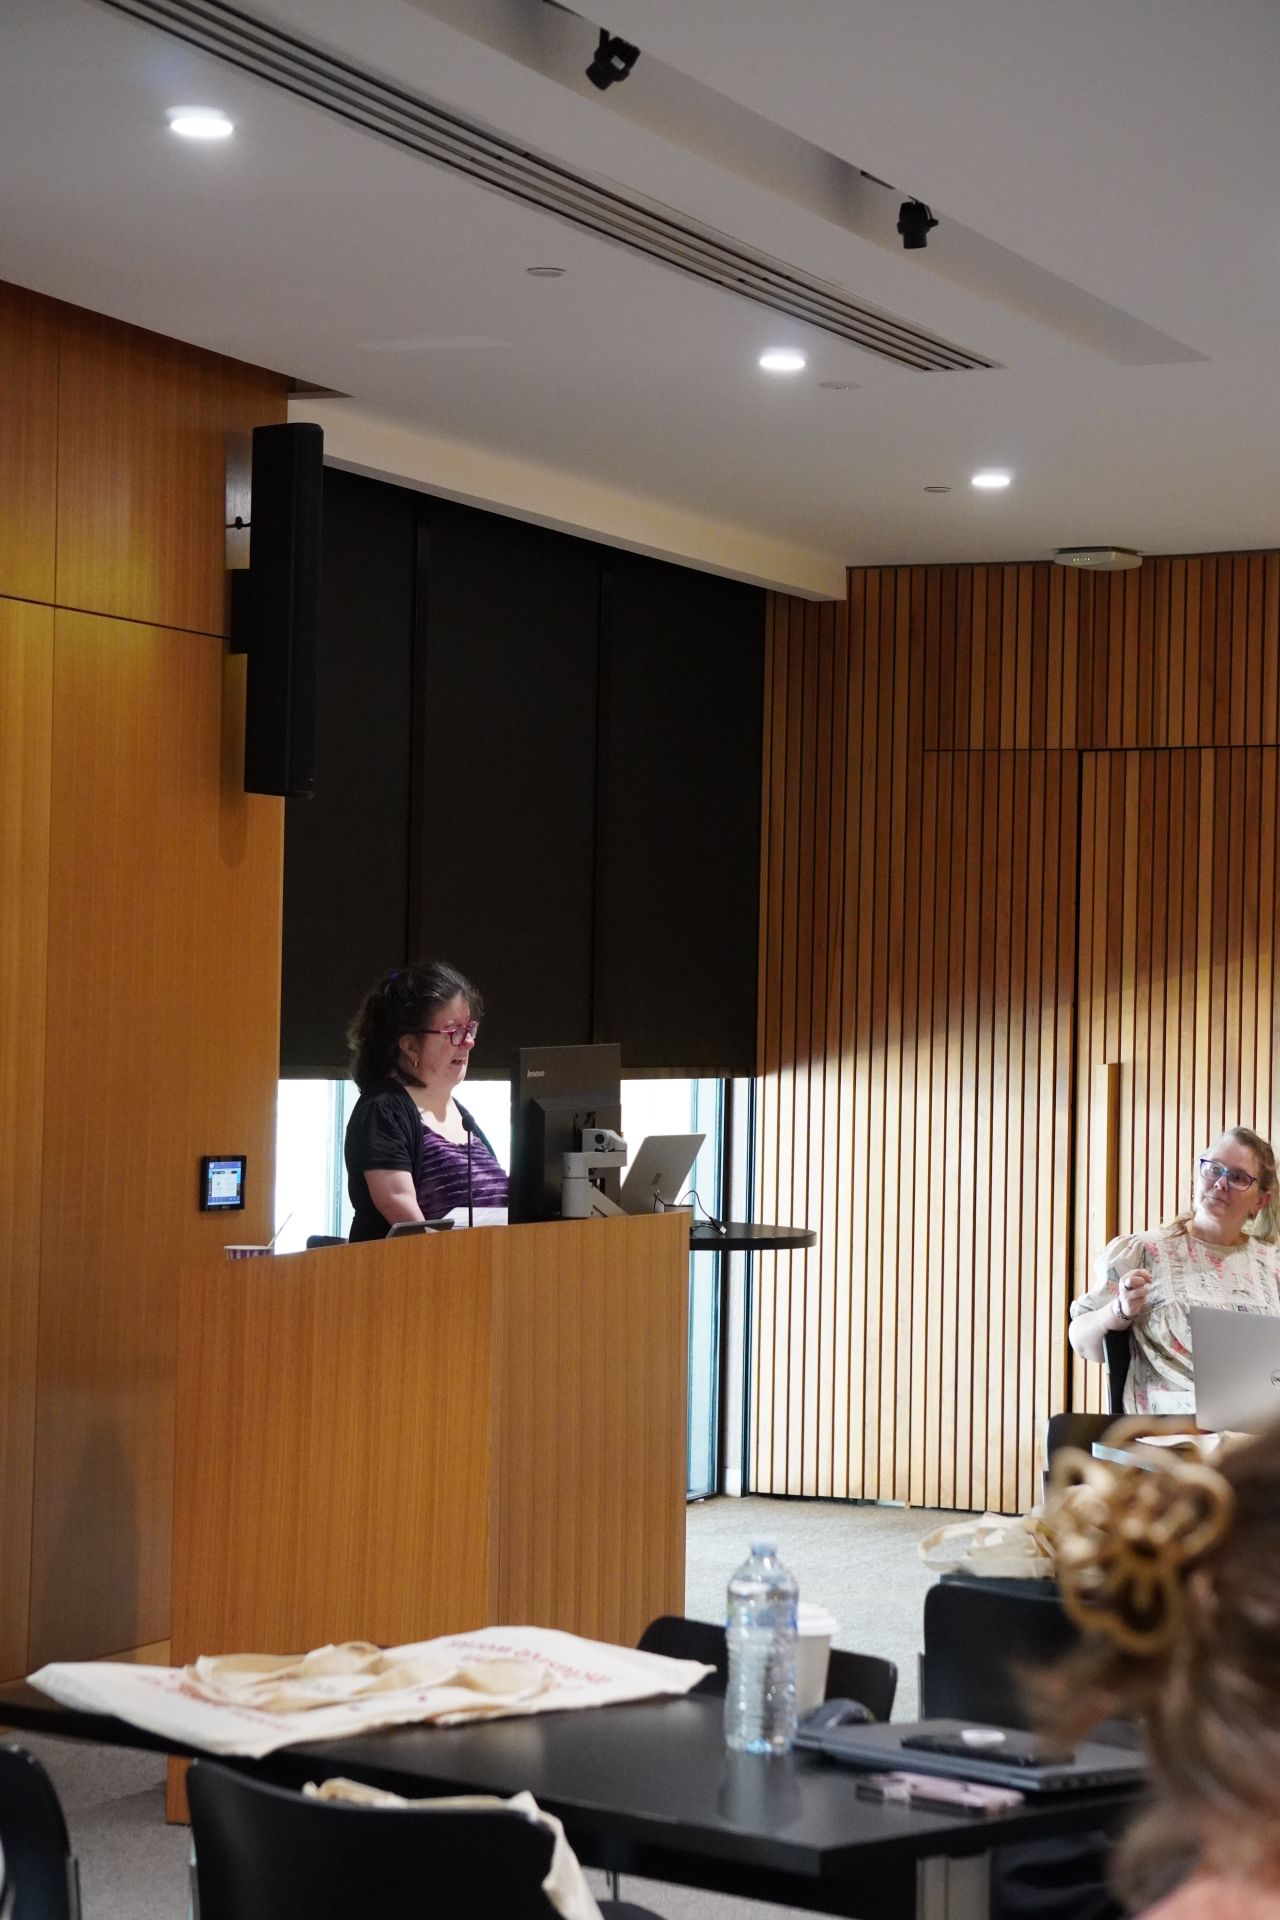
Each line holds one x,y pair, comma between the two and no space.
763,1546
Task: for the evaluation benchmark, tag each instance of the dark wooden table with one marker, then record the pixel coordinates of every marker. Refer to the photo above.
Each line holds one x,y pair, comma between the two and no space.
649,1789
748,1236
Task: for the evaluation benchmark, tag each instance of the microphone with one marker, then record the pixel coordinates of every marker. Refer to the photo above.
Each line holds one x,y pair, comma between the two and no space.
470,1126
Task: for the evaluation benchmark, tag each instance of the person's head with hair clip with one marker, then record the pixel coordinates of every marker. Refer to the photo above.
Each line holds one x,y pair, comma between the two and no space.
409,1008
1172,1571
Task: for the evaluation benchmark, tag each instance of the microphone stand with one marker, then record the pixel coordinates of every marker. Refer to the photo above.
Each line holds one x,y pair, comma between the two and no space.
470,1126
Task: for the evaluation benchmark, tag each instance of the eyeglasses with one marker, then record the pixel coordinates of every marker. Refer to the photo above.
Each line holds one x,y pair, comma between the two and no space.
457,1036
1211,1171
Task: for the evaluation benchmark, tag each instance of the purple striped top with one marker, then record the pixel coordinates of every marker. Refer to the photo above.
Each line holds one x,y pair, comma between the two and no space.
442,1176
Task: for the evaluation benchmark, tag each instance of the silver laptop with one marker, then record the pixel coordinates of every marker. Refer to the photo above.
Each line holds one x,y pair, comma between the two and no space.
1237,1369
655,1179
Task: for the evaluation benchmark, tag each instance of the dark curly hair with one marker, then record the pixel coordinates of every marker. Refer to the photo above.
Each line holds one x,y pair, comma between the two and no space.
406,1000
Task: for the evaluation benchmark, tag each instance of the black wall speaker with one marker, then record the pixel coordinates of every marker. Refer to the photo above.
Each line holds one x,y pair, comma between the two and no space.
276,616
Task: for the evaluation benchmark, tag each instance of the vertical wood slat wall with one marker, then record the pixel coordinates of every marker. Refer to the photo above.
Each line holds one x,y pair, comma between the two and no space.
1178,977
981,785
139,947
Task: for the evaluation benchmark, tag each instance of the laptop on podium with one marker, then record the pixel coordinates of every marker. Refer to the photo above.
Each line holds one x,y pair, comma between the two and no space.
656,1176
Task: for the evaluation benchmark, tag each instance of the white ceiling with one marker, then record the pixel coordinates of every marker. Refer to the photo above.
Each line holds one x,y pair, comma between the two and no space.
1129,147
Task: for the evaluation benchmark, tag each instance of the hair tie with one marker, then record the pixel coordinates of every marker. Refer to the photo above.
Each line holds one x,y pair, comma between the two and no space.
1125,1537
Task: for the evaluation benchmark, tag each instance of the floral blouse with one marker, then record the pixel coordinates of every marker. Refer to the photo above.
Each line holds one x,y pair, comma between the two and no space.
1186,1272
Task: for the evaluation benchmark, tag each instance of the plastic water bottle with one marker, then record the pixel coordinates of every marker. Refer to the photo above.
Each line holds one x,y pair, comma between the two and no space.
760,1705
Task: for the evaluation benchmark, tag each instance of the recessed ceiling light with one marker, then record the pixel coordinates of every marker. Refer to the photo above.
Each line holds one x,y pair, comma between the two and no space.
200,123
545,273
991,479
935,488
782,360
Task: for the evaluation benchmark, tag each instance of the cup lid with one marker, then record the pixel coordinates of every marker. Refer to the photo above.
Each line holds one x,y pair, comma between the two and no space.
814,1619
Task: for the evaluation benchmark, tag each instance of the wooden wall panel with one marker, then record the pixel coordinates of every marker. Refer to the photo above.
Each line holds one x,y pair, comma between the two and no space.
998,804
1002,659
916,1055
26,703
139,946
28,444
143,424
163,950
1178,985
1184,651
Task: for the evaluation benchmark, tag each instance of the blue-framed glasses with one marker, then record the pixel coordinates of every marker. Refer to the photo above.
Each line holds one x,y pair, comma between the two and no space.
1211,1171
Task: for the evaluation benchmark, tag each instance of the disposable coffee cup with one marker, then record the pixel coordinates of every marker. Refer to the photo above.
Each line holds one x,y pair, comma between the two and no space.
244,1253
814,1631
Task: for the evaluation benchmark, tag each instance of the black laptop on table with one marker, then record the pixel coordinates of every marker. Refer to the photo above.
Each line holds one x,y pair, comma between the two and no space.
997,1756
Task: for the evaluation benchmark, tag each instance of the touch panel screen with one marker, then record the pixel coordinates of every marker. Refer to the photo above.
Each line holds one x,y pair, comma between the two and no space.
222,1182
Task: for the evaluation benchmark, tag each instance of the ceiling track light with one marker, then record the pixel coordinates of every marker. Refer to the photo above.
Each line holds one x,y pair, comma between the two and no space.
436,135
915,223
613,60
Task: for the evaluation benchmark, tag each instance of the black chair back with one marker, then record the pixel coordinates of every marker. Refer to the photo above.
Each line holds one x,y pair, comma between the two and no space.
863,1676
1118,1347
1074,1430
850,1676
682,1639
40,1874
266,1853
981,1637
324,1240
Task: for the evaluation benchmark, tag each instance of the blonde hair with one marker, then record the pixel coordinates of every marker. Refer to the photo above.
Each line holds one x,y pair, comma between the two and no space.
1173,1573
1265,1224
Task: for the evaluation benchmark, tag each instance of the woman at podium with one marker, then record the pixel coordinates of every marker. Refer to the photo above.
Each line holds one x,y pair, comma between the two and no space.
413,1151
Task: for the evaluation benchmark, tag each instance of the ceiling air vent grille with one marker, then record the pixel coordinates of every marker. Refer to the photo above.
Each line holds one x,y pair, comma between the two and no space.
417,125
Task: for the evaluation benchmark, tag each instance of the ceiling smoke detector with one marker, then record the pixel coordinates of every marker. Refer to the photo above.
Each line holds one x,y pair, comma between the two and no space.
1098,559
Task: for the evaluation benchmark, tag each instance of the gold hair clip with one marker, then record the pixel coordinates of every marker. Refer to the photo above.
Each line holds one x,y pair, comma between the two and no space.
1125,1535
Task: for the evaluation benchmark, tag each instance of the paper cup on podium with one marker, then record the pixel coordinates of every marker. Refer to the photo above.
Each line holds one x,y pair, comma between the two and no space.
814,1630
244,1253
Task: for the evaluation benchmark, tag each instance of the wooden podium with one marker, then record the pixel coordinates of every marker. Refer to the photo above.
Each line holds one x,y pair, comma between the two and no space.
415,1436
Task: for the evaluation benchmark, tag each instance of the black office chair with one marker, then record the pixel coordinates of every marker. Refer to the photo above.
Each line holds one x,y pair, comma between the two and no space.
41,1878
264,1852
324,1240
850,1676
981,1637
1118,1347
1074,1430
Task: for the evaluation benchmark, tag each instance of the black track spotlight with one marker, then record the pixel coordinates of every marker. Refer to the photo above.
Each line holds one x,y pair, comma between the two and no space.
614,59
914,224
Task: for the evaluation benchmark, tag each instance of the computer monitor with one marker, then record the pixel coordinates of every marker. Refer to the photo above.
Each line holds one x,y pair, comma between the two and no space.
556,1092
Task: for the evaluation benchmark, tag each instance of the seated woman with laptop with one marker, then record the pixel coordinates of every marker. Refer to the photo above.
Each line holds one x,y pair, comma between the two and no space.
1221,1252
